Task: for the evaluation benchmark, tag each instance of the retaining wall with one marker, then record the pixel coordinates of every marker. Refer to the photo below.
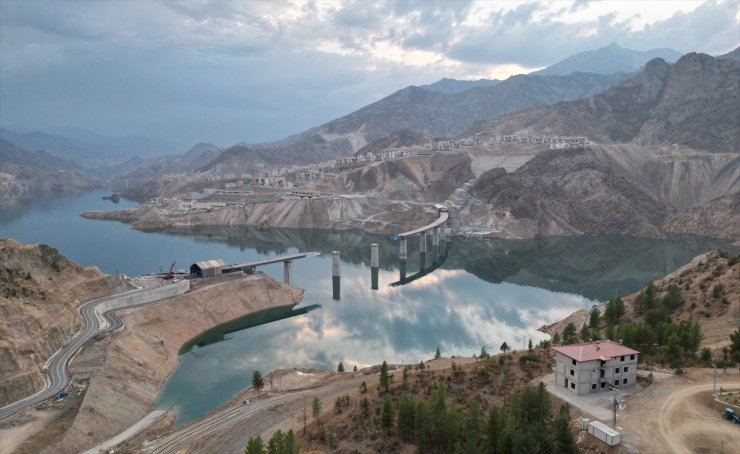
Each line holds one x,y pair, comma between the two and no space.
143,296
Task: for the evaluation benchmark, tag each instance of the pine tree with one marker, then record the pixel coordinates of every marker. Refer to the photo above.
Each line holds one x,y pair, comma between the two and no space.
406,412
504,347
384,379
316,410
257,381
422,426
593,318
340,367
386,415
437,354
494,430
565,441
255,445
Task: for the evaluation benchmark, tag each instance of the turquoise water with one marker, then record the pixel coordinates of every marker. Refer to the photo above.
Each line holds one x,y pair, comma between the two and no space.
486,292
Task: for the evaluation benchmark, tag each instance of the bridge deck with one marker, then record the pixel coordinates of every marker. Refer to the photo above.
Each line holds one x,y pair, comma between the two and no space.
443,216
283,258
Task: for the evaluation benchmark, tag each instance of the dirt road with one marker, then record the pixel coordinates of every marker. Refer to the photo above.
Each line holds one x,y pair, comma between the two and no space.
675,416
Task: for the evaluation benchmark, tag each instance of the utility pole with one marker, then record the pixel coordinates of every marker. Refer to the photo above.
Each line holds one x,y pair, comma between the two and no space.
714,384
304,415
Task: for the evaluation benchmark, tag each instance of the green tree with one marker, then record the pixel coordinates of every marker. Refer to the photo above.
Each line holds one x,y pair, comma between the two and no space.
283,443
255,445
593,318
566,442
384,378
422,426
494,430
529,346
504,347
437,354
406,410
386,415
316,410
354,369
483,353
569,334
340,367
257,381
717,290
585,333
556,339
734,351
706,355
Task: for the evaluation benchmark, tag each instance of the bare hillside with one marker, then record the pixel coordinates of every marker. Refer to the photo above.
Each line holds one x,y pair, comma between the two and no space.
39,294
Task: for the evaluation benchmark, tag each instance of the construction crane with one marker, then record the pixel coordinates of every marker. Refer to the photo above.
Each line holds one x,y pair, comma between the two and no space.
169,274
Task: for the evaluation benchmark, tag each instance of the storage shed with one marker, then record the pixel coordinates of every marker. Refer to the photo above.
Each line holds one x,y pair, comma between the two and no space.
604,433
207,268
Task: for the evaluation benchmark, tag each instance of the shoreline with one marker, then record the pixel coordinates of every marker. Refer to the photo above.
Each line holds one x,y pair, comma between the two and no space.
128,370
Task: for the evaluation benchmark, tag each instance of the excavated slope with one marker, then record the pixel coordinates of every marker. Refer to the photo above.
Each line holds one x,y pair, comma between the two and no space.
39,293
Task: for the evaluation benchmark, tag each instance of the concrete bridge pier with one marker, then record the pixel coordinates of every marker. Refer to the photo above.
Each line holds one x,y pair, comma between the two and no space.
422,250
448,234
402,256
287,268
335,274
435,244
374,262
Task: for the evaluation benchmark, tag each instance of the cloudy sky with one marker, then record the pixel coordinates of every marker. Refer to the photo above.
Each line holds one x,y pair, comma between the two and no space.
257,71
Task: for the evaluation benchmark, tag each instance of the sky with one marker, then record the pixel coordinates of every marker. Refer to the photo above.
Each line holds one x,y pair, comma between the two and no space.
257,71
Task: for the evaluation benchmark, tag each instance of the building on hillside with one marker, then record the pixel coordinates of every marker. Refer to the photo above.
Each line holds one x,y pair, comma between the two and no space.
207,268
595,366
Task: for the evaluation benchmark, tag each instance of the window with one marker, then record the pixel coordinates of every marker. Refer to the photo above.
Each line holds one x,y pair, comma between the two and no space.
593,386
603,362
572,385
624,381
621,358
616,382
572,372
603,384
574,362
625,369
616,371
632,356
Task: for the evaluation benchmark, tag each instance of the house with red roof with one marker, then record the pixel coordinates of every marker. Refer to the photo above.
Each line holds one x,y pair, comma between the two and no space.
595,366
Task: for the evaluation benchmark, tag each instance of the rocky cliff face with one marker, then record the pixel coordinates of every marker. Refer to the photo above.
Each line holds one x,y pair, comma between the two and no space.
719,218
39,294
692,102
610,189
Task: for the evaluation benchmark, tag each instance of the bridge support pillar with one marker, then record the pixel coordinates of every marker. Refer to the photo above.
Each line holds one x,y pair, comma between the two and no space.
402,256
335,274
448,234
287,268
435,243
422,250
374,262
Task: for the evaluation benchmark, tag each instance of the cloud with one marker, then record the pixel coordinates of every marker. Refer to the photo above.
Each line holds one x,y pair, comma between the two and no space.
257,71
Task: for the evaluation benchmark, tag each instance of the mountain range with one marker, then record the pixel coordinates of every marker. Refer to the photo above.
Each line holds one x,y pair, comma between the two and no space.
608,60
693,102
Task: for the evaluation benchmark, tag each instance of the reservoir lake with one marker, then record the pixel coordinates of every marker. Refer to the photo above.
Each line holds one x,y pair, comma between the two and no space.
481,293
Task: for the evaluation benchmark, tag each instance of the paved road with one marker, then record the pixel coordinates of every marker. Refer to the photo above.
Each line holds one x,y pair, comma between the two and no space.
57,377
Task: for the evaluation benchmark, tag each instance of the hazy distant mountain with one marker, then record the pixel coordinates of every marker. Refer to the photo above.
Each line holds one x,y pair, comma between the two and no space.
90,150
732,55
28,173
608,60
446,85
422,111
692,102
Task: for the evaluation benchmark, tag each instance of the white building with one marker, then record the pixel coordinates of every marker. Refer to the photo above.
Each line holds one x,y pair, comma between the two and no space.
595,366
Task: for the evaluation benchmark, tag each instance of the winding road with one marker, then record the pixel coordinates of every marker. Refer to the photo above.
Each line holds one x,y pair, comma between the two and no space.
57,377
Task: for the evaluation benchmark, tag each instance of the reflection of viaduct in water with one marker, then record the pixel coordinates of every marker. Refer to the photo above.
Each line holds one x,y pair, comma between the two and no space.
439,260
440,231
225,331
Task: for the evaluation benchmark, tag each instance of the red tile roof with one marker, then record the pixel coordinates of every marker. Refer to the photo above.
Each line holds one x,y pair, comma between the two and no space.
588,351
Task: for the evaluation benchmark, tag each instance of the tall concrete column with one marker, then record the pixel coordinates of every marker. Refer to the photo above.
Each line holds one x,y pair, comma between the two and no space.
335,274
402,256
374,262
287,268
435,244
448,234
422,251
